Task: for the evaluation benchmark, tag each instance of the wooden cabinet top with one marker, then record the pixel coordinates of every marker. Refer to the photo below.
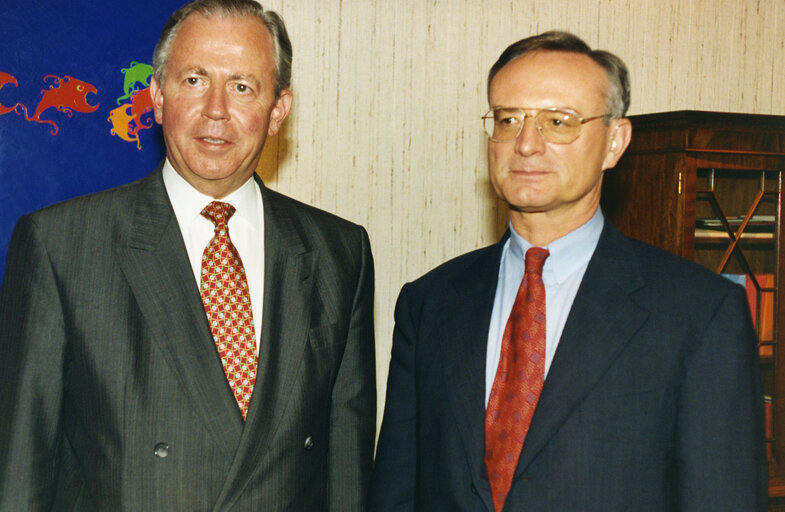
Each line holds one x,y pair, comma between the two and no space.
693,130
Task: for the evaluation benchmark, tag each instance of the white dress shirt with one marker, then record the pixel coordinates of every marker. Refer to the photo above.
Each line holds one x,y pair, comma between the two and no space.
246,230
562,275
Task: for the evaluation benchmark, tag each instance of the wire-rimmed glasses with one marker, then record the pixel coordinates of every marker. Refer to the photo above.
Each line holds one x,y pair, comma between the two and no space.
556,125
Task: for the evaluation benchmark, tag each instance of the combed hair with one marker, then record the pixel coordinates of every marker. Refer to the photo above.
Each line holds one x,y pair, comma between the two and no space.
239,8
618,94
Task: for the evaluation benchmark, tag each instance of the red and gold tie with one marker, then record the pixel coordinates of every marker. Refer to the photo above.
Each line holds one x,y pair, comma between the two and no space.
227,303
519,379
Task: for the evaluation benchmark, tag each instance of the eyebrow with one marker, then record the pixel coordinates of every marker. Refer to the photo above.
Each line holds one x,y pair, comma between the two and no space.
198,70
195,70
565,108
246,78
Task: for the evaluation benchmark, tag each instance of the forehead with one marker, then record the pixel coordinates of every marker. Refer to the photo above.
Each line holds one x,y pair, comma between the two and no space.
222,37
551,79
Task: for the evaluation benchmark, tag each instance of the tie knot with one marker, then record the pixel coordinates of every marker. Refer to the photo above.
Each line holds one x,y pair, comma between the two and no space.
219,213
535,259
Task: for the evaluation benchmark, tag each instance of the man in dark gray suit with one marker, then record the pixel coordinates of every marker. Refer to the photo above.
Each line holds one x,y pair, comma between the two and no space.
634,384
116,393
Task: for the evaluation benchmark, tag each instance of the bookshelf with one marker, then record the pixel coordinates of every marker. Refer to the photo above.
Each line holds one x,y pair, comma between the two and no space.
708,186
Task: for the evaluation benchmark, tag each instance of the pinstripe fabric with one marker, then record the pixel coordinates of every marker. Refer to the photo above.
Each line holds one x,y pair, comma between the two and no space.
118,359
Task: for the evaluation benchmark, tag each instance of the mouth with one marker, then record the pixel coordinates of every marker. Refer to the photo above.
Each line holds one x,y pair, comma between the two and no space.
211,140
528,172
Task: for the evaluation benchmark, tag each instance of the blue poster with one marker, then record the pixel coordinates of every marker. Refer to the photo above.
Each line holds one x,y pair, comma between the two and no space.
75,110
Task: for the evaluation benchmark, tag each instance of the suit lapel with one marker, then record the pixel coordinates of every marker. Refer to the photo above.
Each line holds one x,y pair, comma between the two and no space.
155,263
288,288
465,323
602,320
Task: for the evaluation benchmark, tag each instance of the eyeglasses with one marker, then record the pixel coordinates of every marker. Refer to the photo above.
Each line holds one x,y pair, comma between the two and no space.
503,124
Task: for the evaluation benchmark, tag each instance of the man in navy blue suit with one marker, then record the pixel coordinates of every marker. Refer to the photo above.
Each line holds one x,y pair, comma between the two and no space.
650,393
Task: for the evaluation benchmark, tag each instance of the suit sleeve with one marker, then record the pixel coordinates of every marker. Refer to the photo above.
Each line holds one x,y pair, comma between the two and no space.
396,453
720,455
353,412
32,353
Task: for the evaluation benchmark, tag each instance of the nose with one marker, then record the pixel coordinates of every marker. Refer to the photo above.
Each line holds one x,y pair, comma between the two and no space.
530,140
215,106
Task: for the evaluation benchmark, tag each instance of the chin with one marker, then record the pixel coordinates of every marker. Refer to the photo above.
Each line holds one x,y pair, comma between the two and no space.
526,202
211,171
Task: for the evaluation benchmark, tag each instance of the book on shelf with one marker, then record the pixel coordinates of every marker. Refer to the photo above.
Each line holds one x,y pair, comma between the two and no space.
767,423
765,306
759,226
711,233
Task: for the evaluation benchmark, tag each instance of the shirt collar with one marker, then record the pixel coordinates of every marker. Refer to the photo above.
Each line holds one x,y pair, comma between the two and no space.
187,202
567,254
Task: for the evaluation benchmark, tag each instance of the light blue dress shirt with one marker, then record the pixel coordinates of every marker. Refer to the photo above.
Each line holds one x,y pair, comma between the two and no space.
562,275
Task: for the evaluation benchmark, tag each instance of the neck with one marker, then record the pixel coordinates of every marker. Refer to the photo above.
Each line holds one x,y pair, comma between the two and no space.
542,228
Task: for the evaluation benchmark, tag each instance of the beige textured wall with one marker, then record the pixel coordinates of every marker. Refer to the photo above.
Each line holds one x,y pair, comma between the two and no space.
385,128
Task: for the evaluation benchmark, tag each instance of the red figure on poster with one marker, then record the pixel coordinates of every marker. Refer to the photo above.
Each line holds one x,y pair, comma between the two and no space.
5,78
67,95
141,103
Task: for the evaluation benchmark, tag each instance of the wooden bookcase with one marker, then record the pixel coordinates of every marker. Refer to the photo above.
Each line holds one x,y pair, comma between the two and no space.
708,186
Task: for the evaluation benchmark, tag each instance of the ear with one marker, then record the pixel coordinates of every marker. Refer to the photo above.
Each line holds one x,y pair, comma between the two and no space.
157,95
279,112
621,133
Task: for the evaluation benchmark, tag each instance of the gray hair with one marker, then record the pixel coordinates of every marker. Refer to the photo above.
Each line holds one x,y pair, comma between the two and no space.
207,8
618,95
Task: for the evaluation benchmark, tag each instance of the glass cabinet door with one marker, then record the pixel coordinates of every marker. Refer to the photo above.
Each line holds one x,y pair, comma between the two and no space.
737,235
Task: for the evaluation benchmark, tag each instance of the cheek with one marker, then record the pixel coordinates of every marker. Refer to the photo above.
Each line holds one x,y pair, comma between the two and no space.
495,159
254,126
175,118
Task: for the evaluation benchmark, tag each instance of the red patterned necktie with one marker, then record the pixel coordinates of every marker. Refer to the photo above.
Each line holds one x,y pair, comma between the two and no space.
519,379
227,303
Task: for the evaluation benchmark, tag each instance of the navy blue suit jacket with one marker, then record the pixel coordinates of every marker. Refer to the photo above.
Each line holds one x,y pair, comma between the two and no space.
653,401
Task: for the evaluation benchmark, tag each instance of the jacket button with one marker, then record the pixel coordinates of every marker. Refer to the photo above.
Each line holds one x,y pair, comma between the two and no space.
161,450
474,489
308,443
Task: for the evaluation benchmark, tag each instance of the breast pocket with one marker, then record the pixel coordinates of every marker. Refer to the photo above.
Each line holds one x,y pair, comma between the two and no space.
323,356
630,419
327,338
624,429
610,406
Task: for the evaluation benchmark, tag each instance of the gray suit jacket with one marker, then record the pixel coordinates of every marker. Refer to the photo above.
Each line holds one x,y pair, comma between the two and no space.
112,394
653,401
